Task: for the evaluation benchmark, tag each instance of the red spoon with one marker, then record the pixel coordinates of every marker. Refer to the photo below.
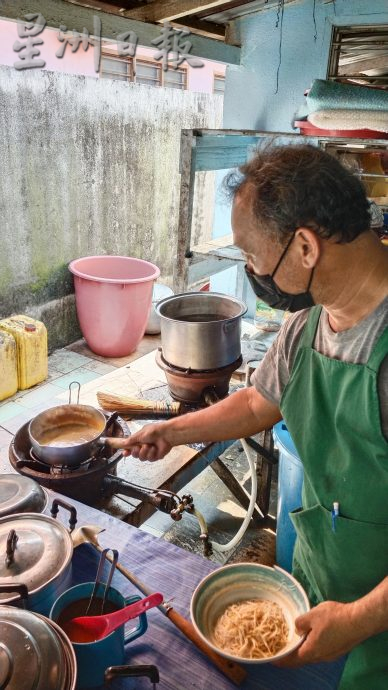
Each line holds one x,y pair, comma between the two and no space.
92,628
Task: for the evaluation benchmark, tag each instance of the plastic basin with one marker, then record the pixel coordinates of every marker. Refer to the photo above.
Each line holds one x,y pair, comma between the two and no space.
113,298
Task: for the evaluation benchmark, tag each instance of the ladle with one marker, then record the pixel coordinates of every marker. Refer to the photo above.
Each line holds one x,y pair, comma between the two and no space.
92,628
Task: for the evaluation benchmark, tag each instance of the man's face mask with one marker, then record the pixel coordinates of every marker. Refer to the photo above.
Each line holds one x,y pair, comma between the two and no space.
266,289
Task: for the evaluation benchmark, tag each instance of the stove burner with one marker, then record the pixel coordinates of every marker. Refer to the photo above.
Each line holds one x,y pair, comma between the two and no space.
189,386
59,469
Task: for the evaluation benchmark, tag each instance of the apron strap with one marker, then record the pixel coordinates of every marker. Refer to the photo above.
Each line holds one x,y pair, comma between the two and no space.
308,334
379,352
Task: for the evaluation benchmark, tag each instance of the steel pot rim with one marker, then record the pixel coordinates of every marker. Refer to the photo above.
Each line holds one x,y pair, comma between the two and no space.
204,296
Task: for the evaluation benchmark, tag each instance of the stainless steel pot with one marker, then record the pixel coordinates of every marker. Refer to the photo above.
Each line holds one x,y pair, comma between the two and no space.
64,416
35,654
201,330
21,495
35,551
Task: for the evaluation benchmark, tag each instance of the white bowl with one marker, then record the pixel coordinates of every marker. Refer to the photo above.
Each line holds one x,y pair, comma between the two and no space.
159,292
245,581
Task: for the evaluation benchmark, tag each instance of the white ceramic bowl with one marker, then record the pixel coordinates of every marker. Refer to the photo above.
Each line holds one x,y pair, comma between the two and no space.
242,581
159,292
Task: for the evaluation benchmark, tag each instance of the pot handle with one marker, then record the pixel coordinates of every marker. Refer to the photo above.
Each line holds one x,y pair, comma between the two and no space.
20,589
143,624
55,510
77,383
12,540
148,670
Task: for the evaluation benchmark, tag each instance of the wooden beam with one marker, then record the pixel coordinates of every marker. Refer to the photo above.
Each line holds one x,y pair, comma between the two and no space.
100,6
167,10
203,28
77,16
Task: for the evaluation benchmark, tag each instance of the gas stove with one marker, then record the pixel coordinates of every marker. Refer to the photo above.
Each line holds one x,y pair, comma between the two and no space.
94,481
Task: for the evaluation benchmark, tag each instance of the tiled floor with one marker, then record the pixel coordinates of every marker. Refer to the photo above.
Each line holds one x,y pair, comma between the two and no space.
221,511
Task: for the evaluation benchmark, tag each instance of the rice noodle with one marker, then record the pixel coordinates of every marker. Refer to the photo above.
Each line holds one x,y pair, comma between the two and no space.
253,629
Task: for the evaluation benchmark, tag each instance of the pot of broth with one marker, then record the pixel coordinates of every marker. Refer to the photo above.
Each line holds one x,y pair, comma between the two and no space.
201,331
68,434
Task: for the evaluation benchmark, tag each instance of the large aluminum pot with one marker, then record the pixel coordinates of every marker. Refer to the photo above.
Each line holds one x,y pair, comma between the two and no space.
201,330
35,551
21,495
35,654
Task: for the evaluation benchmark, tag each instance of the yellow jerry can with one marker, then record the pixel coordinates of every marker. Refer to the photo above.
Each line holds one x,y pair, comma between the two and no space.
8,366
31,345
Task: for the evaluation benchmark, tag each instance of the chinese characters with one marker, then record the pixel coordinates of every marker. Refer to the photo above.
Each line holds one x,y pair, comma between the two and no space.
172,44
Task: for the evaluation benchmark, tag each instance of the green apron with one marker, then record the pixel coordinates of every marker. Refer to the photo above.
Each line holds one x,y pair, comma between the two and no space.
332,412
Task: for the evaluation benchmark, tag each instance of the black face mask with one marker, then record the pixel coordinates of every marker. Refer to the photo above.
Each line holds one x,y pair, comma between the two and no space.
266,289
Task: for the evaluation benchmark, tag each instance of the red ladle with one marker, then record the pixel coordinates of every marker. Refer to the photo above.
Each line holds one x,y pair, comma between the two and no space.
92,628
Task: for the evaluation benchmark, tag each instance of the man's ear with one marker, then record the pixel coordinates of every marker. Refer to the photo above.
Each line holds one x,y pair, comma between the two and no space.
309,246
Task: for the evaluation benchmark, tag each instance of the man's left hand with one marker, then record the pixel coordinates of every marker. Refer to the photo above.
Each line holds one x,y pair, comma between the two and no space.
331,631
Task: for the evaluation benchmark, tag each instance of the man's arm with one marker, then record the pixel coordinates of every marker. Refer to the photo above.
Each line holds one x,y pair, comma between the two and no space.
333,629
241,414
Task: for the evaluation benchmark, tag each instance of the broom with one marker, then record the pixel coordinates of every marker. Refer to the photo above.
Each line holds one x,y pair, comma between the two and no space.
137,407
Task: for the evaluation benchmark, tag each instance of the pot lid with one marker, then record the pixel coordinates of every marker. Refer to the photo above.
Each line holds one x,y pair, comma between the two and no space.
20,494
32,654
39,549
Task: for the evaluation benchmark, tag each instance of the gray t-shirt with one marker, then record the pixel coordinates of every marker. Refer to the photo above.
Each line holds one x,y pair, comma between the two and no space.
353,345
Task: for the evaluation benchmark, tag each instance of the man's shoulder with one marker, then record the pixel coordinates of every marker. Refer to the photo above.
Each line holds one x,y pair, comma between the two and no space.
293,326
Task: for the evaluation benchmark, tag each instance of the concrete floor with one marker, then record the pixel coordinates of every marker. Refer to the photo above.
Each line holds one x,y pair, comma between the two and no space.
222,512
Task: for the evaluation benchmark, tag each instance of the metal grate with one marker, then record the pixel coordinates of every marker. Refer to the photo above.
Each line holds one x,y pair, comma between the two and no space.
360,55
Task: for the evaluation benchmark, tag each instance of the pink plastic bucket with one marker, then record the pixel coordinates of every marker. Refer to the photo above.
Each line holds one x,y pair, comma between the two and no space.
113,298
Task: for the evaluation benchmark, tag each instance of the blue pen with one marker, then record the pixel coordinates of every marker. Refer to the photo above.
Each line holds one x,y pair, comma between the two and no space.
334,514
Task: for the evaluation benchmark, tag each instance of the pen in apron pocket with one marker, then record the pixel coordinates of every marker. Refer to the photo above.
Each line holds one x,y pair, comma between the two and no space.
334,515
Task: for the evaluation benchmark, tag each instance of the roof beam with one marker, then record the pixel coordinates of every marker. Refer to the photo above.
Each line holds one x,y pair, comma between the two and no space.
202,27
168,10
77,16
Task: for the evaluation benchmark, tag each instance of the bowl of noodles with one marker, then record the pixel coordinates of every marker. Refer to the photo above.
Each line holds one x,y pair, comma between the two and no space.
247,612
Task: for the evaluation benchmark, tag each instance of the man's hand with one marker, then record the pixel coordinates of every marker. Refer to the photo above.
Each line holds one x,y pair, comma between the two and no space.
331,630
150,443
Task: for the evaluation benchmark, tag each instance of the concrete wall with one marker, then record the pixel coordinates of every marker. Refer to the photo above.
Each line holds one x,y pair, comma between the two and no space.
89,166
251,100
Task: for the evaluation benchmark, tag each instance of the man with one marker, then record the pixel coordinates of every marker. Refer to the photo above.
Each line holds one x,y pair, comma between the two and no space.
302,222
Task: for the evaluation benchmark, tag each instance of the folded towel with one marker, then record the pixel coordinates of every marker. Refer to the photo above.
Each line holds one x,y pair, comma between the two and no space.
350,119
325,95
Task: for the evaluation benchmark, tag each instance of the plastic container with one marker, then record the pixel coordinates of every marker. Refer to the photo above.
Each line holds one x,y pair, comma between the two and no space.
268,319
8,366
290,481
308,129
31,345
113,299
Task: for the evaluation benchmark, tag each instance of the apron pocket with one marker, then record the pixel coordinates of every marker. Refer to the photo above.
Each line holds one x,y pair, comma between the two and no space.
340,565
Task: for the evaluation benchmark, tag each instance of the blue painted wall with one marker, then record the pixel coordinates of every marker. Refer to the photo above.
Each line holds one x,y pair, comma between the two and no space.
250,99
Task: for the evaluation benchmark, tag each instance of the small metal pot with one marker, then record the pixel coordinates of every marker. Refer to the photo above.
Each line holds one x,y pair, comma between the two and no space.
201,330
62,416
21,495
35,551
35,654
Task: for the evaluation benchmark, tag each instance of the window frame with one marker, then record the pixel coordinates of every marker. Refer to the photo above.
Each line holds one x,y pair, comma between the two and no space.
217,75
338,38
129,61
